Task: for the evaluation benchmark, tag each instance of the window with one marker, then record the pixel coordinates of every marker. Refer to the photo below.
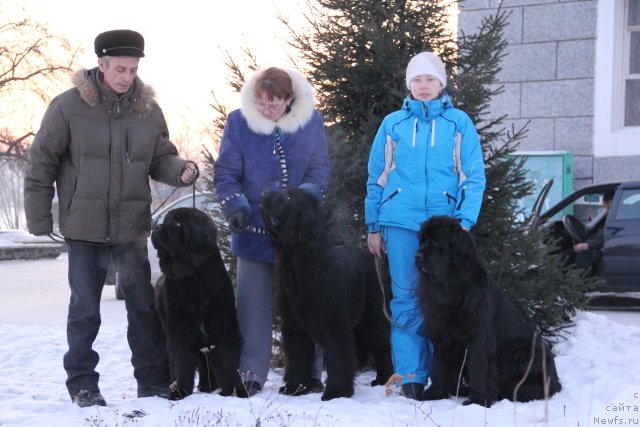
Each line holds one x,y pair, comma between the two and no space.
616,130
629,208
632,64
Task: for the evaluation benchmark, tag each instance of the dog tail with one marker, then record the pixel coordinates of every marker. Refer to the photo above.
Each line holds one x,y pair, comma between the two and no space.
527,374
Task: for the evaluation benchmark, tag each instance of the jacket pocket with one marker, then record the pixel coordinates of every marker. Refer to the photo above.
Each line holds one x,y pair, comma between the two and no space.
73,196
391,196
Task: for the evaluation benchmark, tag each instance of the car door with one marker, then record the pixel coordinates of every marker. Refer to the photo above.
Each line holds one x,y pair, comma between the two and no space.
621,250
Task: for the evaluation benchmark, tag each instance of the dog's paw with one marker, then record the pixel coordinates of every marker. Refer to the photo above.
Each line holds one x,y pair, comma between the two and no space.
228,391
315,386
333,394
486,402
376,382
175,394
294,389
462,391
433,394
207,387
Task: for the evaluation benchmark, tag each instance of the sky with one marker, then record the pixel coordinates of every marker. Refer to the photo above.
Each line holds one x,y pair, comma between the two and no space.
184,41
597,363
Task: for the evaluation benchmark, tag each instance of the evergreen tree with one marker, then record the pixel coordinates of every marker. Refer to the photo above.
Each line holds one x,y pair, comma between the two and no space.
356,53
528,270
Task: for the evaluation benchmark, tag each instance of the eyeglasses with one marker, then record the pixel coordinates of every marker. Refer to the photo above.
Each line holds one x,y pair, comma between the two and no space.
270,107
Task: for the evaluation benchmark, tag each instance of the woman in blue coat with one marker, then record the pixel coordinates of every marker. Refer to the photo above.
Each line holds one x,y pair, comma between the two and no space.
274,141
426,160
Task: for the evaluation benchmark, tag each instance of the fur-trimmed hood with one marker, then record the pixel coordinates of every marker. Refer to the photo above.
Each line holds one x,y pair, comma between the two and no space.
89,84
302,106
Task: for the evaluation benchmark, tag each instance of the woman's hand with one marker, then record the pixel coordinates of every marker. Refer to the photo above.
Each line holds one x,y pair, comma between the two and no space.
376,244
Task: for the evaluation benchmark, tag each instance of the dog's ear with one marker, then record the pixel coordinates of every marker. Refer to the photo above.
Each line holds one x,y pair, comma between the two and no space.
203,236
308,225
422,234
463,242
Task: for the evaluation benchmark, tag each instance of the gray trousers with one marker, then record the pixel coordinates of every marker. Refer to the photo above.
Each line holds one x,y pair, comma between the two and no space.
254,301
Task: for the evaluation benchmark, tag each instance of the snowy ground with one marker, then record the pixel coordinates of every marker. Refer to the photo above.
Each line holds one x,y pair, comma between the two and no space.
598,365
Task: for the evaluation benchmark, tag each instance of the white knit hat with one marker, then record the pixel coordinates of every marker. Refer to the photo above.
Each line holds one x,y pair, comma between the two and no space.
426,63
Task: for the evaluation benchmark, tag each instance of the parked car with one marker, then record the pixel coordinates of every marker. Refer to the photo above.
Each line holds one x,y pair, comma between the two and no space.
204,201
582,215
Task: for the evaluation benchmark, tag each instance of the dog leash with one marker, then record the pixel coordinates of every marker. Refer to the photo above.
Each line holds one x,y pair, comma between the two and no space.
380,262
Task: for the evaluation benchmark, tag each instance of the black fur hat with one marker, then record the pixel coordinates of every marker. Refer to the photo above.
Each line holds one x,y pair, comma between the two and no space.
119,43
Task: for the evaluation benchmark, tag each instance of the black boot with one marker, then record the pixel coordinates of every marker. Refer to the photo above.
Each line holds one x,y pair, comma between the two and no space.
413,390
86,398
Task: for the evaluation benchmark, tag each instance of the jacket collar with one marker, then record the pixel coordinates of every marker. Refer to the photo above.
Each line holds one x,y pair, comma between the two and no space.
92,91
301,111
427,110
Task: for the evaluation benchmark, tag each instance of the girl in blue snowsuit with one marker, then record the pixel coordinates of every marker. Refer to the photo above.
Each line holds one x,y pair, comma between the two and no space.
426,160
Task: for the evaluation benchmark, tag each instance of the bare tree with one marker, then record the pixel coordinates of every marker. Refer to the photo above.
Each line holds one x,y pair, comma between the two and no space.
11,180
33,64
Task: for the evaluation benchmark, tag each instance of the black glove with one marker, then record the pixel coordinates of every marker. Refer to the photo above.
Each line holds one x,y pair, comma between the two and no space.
238,221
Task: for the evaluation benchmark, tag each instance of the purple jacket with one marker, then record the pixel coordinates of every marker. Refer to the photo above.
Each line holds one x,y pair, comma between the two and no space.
257,154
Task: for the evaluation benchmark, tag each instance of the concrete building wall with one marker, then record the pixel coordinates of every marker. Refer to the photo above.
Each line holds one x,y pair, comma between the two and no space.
548,77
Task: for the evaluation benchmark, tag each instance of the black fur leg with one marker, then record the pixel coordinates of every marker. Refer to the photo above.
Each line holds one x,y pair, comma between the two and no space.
478,401
292,389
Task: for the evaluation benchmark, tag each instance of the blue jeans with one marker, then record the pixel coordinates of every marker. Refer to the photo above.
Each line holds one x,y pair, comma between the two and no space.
87,272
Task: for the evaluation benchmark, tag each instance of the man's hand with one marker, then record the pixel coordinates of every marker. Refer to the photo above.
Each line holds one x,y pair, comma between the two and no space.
376,244
189,173
579,247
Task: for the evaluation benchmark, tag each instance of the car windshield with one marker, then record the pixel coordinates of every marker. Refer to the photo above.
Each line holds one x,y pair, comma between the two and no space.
588,208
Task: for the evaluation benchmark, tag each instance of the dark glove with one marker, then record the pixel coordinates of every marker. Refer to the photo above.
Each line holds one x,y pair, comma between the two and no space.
238,221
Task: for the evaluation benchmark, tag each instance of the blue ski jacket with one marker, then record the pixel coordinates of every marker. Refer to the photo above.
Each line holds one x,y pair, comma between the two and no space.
425,160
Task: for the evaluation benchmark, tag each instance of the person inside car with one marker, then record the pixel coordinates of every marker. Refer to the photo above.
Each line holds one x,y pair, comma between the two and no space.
588,252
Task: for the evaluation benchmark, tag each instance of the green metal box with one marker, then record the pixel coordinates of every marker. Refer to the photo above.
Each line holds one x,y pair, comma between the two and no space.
541,166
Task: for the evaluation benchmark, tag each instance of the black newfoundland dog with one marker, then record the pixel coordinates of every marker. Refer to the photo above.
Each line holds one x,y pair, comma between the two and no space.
327,294
196,306
471,323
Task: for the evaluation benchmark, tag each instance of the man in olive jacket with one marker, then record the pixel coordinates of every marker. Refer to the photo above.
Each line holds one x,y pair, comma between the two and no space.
99,143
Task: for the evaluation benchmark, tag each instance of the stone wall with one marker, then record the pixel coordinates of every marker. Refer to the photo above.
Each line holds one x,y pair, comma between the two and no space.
548,79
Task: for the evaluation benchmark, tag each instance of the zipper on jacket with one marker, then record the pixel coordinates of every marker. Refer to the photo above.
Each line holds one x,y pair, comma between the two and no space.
415,131
116,108
391,196
433,132
127,146
461,198
450,198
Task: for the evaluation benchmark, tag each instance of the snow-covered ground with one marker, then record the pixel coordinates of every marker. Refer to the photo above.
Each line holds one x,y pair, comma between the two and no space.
598,365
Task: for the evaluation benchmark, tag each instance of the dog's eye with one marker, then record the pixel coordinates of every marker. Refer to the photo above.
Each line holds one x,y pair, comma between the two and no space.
274,221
